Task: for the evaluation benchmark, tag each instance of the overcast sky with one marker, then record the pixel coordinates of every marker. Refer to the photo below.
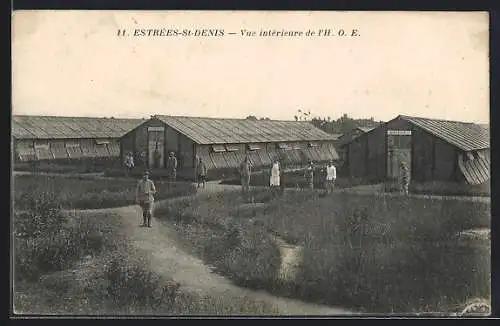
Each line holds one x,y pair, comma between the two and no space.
425,64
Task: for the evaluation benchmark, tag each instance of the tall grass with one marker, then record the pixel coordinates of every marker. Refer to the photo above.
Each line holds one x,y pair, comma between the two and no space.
374,253
87,193
387,254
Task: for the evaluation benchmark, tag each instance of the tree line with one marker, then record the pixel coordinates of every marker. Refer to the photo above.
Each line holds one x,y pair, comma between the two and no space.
343,124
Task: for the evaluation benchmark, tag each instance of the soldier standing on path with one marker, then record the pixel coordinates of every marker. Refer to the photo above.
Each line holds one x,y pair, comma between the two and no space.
145,192
171,169
201,172
405,179
245,176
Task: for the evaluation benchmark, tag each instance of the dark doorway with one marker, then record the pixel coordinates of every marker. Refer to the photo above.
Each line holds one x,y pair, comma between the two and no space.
398,150
156,147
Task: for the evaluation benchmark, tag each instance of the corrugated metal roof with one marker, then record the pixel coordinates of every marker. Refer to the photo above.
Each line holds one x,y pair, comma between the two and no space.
227,131
53,127
464,135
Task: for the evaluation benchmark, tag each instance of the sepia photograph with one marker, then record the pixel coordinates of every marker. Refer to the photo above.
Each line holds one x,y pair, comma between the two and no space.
250,163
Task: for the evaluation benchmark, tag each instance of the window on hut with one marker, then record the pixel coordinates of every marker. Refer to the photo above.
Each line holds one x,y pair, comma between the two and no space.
101,148
25,151
253,155
42,150
230,156
218,157
73,149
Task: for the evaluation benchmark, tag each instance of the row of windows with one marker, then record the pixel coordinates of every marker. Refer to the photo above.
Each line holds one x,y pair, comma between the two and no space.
68,150
255,147
265,157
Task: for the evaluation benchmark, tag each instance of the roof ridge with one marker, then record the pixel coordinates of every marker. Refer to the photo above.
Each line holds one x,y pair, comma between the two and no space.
222,118
441,120
71,117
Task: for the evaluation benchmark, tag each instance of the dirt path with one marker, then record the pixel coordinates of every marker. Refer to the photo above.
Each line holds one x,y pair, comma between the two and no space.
170,260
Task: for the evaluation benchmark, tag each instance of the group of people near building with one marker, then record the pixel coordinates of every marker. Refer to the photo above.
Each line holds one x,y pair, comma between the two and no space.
276,175
170,168
146,190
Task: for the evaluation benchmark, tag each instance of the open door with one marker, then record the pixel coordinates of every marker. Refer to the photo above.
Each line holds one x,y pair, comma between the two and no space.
156,147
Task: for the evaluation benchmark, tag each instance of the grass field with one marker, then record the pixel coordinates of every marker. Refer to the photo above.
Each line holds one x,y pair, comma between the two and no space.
86,193
373,253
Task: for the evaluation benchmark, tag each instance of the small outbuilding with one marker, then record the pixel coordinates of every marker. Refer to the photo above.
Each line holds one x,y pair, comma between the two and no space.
434,150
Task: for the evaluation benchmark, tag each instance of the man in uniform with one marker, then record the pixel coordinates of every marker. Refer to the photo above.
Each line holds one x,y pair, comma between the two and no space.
145,192
309,175
171,168
201,172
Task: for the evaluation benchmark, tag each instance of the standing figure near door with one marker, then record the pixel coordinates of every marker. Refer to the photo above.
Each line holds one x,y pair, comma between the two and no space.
171,168
201,172
157,156
405,178
309,175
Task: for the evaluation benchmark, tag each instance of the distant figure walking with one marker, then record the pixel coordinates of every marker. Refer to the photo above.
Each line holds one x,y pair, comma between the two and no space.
331,176
129,163
201,172
405,179
171,169
309,175
274,180
245,176
145,198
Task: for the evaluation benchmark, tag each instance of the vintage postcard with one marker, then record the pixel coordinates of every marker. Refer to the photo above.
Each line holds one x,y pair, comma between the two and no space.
250,163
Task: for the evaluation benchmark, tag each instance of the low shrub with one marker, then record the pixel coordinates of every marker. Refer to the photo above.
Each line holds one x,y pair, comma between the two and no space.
132,283
48,239
253,256
238,248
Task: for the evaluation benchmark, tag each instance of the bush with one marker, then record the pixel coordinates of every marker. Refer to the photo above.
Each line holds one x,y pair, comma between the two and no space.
254,257
236,247
131,283
48,239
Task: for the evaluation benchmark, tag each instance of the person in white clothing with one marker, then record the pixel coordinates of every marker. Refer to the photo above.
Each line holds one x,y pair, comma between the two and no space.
275,175
331,176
